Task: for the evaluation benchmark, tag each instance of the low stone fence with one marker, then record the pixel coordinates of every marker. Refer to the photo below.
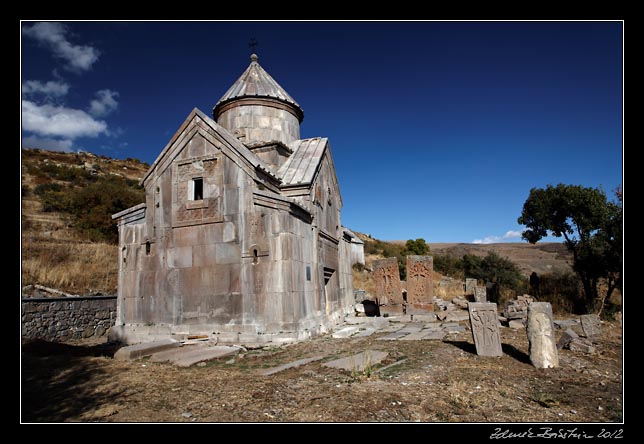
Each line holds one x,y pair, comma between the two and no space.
60,319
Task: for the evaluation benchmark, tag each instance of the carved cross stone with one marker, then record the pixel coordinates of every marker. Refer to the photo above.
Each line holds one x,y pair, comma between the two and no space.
485,328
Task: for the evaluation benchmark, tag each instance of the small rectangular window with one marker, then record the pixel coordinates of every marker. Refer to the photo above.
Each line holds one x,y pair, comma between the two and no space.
308,272
197,188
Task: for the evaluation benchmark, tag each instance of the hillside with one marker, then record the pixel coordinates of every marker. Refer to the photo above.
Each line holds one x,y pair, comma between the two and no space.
542,258
55,252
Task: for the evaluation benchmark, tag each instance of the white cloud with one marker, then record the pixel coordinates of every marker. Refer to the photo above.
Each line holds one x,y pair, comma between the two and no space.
49,89
59,121
53,35
511,234
47,143
487,240
104,104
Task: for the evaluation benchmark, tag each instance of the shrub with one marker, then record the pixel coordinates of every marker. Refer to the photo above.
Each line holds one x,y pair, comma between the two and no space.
92,206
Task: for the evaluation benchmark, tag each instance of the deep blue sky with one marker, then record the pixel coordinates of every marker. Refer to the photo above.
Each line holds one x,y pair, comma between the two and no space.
438,129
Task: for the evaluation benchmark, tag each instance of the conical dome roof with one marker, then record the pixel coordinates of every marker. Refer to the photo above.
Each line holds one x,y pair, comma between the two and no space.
255,82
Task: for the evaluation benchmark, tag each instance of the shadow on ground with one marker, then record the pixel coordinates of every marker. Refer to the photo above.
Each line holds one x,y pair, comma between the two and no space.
63,381
508,349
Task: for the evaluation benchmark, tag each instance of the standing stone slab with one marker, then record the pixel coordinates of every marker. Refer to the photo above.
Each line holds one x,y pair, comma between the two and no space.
419,280
470,285
480,294
541,335
485,328
590,325
387,279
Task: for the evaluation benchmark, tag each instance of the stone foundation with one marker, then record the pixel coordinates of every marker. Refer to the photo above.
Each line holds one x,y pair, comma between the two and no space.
61,319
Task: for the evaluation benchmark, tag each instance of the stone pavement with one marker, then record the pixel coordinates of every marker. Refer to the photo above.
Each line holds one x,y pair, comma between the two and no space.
404,328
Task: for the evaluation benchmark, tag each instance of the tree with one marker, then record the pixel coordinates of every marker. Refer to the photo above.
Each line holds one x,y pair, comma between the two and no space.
589,224
416,247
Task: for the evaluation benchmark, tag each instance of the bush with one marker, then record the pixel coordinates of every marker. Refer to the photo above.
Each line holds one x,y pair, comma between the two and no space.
92,206
448,265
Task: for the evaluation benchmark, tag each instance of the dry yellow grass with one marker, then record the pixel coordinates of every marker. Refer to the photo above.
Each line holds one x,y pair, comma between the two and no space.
73,267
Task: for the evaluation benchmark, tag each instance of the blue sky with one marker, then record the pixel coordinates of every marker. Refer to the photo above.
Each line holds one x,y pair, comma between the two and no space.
438,129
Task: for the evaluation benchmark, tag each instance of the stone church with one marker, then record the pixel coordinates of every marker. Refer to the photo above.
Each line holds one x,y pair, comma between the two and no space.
239,237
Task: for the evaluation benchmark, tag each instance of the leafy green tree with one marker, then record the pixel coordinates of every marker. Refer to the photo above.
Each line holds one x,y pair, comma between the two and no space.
590,225
417,247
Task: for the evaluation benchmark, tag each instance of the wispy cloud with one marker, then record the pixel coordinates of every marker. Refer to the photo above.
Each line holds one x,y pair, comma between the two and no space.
59,121
51,88
511,234
53,35
104,104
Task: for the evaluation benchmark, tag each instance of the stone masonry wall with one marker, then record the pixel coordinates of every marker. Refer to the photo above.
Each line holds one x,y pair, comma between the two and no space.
60,319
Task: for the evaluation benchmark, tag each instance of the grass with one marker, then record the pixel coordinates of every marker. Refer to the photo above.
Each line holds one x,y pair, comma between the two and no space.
73,267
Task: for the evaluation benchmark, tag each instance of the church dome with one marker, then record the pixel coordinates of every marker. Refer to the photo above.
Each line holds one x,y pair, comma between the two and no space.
257,108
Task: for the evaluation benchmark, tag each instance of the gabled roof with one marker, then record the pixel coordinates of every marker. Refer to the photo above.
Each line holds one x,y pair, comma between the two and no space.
255,82
301,166
241,152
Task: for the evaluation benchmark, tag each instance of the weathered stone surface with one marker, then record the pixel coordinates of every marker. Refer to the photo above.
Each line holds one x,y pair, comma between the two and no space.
470,285
566,338
582,345
294,364
480,294
459,302
393,336
345,332
457,316
455,328
145,349
485,328
62,318
434,335
517,324
387,281
541,336
419,280
358,362
590,325
563,324
204,354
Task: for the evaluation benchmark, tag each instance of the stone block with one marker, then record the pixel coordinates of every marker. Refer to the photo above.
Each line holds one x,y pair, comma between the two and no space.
582,345
345,332
541,336
590,325
485,328
144,349
387,281
568,336
517,324
419,279
179,257
358,362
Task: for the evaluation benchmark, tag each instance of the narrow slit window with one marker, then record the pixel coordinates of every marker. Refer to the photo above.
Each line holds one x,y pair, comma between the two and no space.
197,188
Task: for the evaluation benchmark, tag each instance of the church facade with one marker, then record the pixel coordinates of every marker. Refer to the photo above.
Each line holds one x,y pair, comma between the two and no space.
240,236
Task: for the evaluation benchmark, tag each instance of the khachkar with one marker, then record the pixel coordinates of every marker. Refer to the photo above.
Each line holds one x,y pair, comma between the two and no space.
470,285
419,282
387,280
541,335
480,294
485,328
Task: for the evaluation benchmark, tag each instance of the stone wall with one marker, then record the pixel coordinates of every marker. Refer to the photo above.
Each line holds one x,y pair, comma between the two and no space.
60,319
